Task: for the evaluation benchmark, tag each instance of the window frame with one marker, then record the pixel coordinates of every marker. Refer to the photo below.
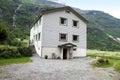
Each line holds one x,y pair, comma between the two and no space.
75,40
60,39
39,36
73,23
65,22
36,37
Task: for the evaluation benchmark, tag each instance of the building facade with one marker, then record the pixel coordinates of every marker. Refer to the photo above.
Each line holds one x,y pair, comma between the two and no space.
59,32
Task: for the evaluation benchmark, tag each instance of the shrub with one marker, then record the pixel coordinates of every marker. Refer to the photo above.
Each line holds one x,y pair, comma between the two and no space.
25,51
102,61
4,55
117,66
9,53
12,52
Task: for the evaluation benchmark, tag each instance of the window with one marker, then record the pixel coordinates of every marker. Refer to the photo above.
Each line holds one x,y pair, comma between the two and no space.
63,21
67,11
75,23
75,38
63,37
38,36
34,37
74,49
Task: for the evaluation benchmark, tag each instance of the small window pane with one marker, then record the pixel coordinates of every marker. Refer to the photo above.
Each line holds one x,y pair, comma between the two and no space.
63,37
75,37
75,23
63,21
38,36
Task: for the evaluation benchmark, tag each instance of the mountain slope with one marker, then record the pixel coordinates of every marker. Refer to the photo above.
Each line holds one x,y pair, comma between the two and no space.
103,29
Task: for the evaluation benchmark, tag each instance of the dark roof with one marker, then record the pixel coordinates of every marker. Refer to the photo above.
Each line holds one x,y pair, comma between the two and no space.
59,9
67,45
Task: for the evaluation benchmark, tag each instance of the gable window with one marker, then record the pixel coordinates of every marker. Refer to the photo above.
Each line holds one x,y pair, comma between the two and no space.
63,37
67,11
63,21
75,38
75,23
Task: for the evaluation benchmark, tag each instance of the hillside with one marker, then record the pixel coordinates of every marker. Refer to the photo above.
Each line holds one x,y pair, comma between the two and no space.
103,29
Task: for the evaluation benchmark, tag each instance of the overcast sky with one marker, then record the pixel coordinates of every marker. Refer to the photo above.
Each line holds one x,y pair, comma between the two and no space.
109,6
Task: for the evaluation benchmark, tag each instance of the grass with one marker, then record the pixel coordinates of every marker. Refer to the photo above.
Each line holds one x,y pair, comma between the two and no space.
112,57
14,61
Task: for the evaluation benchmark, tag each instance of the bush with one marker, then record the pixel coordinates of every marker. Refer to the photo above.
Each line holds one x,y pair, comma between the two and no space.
102,61
25,51
117,66
9,53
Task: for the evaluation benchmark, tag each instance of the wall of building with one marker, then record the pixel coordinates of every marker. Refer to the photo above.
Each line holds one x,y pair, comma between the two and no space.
37,28
49,51
52,28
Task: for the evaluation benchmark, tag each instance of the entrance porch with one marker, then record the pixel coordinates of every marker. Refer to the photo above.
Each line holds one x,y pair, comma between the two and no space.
66,50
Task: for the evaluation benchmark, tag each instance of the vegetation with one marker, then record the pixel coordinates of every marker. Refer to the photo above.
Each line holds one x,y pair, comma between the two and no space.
14,61
99,25
14,52
3,33
107,59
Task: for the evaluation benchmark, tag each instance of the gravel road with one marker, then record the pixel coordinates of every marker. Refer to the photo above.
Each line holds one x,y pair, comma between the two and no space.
42,69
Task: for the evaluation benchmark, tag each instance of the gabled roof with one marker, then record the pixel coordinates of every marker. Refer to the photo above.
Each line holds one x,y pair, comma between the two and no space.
60,9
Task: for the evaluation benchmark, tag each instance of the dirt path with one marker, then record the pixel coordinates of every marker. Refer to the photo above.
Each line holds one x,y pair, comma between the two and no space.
41,69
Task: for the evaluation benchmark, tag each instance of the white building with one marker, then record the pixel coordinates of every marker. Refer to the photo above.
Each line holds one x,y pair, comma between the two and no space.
59,32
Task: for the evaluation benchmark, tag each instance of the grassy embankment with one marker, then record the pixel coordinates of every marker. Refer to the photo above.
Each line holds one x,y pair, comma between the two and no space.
112,57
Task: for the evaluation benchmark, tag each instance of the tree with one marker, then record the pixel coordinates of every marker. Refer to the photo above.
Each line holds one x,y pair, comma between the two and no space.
3,33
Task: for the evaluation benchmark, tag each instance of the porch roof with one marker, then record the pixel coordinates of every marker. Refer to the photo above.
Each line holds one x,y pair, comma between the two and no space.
67,45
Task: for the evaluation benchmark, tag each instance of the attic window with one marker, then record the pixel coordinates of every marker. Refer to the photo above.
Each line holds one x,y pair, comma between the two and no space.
74,49
67,11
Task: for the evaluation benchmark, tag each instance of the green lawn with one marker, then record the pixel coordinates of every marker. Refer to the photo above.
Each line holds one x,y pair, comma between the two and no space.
112,57
14,61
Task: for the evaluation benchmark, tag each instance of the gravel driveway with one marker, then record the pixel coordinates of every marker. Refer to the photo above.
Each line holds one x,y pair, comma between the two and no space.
41,69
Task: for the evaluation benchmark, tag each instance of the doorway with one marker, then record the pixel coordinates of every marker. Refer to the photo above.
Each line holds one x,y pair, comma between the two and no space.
64,53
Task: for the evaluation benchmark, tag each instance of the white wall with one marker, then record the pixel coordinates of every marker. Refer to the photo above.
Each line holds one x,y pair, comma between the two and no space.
50,28
37,28
49,50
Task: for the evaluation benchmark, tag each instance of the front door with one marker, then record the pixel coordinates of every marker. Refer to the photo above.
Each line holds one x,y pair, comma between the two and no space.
64,53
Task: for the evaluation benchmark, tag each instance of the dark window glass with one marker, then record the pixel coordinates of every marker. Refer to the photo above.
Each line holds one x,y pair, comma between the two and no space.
63,37
63,21
75,23
75,37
